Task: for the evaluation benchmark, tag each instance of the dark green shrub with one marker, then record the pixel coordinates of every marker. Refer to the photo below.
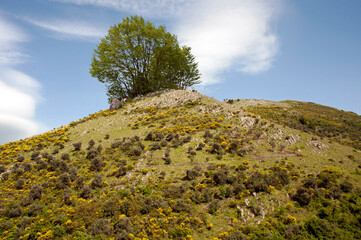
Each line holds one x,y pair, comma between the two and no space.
310,182
220,177
63,181
35,209
122,225
55,151
15,210
34,155
150,136
20,158
5,175
214,206
58,231
20,183
97,164
27,167
73,173
154,146
335,192
2,168
237,235
66,196
153,203
110,207
326,180
207,134
101,227
137,151
97,181
41,165
256,182
35,192
346,186
77,146
158,136
122,171
24,222
116,144
180,205
91,144
85,192
169,137
107,136
303,196
163,143
185,139
92,153
79,182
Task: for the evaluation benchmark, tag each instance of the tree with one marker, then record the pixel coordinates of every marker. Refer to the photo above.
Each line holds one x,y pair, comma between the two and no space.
136,58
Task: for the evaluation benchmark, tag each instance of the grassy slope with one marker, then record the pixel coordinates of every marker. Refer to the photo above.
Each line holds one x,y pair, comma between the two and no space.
142,197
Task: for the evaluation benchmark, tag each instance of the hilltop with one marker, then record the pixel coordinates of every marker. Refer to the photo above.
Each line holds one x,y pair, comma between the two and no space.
181,165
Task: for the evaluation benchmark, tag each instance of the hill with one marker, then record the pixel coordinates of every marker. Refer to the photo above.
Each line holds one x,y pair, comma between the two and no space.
181,165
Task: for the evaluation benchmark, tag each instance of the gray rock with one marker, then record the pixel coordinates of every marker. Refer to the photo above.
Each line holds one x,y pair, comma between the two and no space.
116,104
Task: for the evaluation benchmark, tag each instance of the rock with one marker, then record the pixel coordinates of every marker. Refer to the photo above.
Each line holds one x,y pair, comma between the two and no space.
116,104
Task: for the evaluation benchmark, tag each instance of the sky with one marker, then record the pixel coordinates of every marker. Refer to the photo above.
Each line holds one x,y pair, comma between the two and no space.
307,50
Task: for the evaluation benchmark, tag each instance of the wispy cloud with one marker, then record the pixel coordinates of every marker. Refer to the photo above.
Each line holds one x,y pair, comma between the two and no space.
19,93
225,35
155,8
63,29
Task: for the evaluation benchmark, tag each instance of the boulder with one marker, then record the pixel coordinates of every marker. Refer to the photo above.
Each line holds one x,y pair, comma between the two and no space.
116,104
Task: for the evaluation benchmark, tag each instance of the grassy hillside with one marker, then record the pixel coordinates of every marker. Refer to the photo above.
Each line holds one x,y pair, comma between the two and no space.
179,165
343,127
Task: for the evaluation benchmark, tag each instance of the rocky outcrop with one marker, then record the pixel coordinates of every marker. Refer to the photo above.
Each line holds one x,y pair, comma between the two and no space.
115,105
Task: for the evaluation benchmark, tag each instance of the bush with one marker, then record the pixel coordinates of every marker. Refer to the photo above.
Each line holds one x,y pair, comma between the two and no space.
154,146
58,231
2,168
20,183
97,181
214,206
207,134
303,196
24,222
122,171
27,167
97,164
34,155
149,137
181,206
15,211
107,136
77,146
66,196
169,137
346,186
20,158
116,144
135,152
122,225
35,209
63,181
92,153
85,192
101,227
220,177
65,156
91,144
256,182
35,192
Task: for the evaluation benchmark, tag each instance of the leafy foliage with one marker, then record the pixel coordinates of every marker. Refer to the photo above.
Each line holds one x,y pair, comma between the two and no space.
136,58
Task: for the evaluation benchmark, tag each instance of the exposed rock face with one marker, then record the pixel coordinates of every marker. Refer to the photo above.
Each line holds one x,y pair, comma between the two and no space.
116,104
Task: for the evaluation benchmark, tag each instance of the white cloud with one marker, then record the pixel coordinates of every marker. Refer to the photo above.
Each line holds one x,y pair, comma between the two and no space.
155,8
19,93
224,35
63,29
230,35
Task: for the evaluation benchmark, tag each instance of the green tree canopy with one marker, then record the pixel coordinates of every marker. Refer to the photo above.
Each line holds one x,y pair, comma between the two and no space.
136,58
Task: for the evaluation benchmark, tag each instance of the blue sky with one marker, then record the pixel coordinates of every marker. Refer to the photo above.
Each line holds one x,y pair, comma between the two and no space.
307,50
